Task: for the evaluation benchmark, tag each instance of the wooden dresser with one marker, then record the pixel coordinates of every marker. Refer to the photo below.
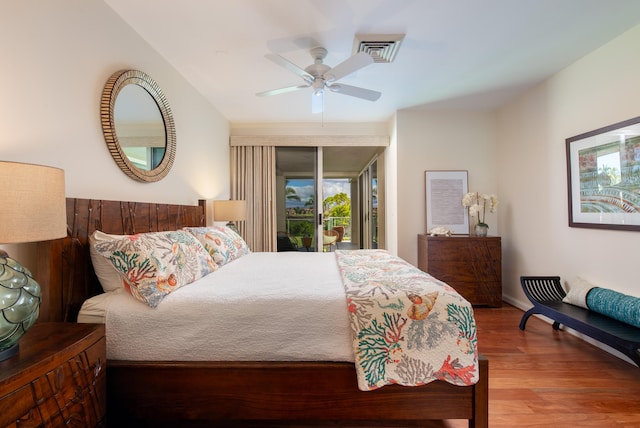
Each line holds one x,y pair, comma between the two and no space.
57,379
472,265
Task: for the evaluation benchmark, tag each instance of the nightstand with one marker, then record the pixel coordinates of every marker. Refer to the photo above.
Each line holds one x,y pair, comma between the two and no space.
57,379
470,264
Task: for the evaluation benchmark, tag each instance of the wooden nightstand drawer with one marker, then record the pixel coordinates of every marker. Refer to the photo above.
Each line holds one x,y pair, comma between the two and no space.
57,378
18,405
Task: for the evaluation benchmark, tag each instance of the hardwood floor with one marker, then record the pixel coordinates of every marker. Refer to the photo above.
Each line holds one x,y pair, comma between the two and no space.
545,378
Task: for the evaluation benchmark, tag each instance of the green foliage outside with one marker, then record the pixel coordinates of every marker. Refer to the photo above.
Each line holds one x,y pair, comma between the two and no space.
302,223
301,228
338,205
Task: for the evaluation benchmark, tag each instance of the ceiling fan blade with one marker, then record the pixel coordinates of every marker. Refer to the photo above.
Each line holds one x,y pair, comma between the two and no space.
290,66
354,63
355,91
281,90
317,101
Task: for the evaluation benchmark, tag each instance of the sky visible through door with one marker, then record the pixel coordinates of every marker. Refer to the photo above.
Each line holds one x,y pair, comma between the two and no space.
304,190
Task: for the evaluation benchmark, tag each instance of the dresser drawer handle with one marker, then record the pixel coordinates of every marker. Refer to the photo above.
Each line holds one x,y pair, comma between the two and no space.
78,396
97,369
59,378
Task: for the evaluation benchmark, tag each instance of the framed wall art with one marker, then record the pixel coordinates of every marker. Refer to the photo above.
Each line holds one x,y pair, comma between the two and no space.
603,175
444,192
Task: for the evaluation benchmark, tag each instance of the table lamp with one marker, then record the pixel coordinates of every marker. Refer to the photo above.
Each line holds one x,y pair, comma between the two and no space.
230,211
32,208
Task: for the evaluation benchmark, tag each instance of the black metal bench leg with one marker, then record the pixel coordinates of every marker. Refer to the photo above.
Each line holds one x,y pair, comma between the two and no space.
533,311
525,317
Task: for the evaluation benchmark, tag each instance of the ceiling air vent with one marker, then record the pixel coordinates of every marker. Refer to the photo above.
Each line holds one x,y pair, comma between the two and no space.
382,47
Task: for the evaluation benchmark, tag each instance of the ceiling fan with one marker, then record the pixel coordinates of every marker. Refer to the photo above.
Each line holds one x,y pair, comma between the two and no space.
320,76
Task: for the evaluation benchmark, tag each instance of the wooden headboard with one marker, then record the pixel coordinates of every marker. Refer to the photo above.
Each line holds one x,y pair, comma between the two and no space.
64,270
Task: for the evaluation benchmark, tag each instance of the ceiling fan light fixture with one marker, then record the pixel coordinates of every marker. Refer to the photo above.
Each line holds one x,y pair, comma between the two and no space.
318,86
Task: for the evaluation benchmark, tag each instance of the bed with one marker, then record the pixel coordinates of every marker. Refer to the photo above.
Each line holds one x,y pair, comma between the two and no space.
182,392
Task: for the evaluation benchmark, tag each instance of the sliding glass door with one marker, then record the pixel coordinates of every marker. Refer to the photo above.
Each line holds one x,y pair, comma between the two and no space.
368,185
327,198
297,198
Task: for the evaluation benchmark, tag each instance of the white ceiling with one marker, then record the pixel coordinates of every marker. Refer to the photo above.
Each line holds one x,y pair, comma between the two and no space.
456,53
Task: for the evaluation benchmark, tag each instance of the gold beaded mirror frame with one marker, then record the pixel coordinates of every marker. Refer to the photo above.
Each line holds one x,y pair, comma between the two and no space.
164,156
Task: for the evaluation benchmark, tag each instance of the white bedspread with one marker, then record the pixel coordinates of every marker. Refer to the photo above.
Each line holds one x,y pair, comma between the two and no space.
287,306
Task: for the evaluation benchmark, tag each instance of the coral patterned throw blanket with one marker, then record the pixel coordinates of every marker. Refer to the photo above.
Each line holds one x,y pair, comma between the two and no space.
408,327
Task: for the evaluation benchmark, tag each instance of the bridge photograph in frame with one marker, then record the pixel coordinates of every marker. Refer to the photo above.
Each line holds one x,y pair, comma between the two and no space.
603,174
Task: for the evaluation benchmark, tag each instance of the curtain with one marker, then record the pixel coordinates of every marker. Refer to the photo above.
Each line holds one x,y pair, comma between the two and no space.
253,175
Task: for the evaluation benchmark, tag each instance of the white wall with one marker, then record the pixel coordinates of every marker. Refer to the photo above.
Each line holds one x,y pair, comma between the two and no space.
56,58
598,90
390,188
518,152
441,140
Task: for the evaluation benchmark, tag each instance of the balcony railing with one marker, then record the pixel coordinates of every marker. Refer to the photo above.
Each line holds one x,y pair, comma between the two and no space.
297,230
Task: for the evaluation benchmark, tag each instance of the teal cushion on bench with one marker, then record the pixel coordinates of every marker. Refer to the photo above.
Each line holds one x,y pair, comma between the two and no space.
615,305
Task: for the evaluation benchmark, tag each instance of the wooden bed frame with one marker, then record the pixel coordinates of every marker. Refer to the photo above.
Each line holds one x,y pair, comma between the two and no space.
227,393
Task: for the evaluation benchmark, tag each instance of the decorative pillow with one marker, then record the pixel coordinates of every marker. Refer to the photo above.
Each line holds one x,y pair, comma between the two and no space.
152,265
222,243
577,294
108,276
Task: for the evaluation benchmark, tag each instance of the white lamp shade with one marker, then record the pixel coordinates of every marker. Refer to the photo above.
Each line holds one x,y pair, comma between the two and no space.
32,203
227,210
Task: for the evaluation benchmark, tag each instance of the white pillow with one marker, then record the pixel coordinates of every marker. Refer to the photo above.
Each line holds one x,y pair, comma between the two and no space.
577,294
109,277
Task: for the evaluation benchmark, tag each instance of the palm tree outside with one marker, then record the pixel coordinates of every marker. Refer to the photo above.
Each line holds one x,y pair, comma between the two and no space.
300,202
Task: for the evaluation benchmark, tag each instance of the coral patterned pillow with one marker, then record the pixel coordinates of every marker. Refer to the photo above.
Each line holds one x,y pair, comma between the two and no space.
222,243
109,277
155,264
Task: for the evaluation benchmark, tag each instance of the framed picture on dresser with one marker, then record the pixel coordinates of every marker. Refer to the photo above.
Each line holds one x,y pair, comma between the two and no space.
444,192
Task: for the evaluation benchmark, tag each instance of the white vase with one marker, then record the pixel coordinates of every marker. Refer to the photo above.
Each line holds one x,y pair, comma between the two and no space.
481,229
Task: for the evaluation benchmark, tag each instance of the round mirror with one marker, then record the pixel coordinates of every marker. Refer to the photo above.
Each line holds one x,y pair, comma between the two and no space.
138,126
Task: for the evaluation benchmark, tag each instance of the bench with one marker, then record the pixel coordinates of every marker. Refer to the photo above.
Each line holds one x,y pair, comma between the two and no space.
546,294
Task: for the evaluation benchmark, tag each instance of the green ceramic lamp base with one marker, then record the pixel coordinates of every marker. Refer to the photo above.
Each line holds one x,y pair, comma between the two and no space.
19,304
